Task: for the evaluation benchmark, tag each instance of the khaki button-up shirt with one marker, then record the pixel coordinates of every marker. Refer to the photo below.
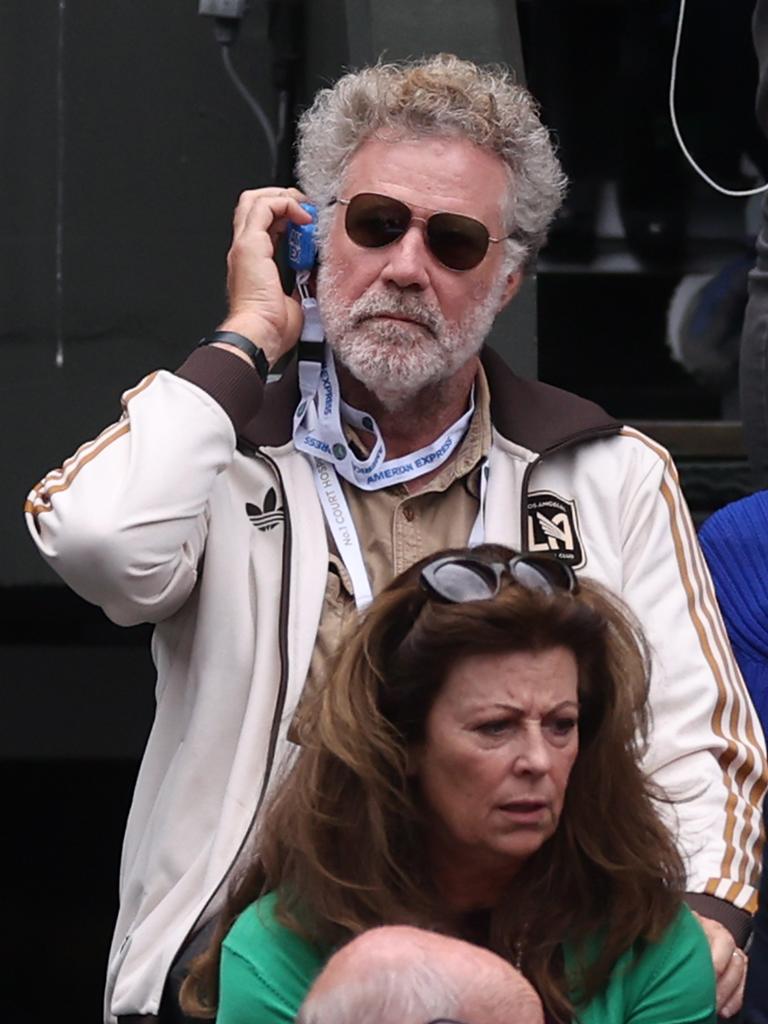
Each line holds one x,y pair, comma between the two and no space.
396,528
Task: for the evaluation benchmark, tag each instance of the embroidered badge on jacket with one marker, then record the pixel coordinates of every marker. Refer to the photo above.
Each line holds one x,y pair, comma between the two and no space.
553,528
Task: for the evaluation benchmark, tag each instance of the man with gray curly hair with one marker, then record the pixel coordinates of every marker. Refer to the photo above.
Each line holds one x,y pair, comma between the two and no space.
250,521
494,123
403,336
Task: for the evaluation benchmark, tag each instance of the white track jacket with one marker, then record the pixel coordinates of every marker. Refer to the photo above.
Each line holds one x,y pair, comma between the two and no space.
194,512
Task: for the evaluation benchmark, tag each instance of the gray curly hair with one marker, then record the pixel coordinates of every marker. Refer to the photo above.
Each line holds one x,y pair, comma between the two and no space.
442,96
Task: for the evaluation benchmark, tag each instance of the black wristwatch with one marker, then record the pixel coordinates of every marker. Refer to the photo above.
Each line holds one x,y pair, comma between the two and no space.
253,352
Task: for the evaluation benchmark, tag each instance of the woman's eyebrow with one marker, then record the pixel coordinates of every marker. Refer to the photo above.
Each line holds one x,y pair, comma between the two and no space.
566,704
516,709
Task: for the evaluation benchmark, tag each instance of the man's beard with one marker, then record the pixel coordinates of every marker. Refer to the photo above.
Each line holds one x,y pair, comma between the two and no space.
397,359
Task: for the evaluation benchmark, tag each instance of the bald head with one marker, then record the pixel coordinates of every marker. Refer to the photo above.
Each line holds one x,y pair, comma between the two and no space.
401,975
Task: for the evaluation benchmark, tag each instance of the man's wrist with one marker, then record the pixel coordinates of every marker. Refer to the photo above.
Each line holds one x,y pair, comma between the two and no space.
235,351
240,346
258,332
737,921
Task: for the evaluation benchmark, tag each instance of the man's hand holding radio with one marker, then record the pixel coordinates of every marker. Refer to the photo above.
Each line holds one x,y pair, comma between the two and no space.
259,309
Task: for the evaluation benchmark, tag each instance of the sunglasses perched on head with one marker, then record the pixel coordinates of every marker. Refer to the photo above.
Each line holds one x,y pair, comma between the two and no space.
457,579
458,242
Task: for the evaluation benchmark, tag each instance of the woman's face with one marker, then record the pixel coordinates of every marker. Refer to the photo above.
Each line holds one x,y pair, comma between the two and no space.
500,742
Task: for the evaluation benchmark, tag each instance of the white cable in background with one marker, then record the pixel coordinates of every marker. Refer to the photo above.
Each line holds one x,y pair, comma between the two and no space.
60,155
255,108
672,82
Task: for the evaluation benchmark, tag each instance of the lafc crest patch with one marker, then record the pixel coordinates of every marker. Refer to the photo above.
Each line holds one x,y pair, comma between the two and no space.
553,528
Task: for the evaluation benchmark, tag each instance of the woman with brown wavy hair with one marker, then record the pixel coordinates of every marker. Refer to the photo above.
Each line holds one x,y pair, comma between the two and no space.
472,767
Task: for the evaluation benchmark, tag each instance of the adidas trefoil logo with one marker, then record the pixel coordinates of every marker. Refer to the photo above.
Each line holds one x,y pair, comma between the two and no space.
268,517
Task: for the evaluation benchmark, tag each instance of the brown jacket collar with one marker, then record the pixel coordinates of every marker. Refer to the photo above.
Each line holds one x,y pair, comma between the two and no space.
536,416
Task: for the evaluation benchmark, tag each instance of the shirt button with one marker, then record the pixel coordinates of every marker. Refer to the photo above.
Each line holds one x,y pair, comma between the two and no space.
408,513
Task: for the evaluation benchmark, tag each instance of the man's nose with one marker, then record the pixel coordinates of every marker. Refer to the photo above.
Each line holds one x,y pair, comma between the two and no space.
408,259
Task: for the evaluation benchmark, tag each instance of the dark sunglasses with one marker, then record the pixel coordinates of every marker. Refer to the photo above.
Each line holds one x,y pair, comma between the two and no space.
458,242
457,579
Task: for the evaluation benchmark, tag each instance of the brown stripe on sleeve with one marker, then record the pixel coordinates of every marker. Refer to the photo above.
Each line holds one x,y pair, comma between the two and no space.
729,755
733,892
742,895
139,388
61,471
712,886
748,842
60,478
45,503
750,756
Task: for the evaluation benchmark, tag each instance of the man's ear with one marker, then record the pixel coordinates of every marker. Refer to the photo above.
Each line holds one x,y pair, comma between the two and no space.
511,288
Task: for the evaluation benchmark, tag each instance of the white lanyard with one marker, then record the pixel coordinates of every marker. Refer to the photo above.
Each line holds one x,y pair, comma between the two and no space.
340,523
339,518
317,431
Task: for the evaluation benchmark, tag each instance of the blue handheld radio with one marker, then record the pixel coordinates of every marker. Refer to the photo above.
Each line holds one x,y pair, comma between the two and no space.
302,250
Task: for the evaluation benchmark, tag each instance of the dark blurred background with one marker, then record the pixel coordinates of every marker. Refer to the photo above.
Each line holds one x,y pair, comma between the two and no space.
124,147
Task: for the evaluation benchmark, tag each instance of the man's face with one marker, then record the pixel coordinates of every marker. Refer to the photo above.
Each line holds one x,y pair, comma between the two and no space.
395,316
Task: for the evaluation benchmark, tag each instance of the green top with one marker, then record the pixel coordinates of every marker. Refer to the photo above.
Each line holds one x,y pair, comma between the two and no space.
266,970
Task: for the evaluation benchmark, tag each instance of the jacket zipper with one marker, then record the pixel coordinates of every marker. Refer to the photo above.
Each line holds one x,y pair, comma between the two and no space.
279,705
283,642
588,435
